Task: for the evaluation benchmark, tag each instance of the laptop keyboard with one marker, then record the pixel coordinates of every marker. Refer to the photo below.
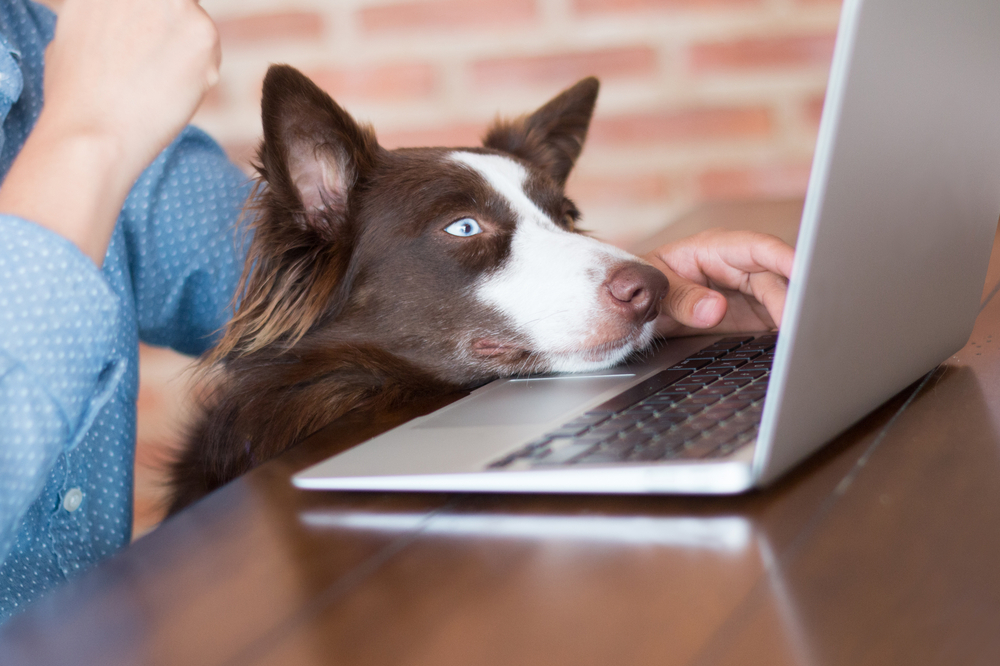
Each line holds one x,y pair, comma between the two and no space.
706,406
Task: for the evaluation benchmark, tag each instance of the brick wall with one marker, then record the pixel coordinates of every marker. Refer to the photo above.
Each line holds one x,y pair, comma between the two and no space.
701,99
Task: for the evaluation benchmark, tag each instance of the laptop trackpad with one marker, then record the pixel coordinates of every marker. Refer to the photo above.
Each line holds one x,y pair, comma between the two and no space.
525,401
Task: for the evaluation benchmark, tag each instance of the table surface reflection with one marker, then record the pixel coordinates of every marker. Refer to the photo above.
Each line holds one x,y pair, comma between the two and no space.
881,549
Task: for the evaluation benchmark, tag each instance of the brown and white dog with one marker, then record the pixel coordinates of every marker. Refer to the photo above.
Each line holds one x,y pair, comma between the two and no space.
376,275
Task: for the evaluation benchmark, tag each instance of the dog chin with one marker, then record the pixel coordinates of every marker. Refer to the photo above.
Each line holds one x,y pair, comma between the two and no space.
516,359
602,356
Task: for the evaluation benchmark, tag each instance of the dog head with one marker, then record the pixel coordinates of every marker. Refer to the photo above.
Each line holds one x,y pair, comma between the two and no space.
464,262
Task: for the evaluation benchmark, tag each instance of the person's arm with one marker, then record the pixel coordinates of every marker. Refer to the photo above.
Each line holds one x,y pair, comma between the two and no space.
59,359
723,282
122,78
187,252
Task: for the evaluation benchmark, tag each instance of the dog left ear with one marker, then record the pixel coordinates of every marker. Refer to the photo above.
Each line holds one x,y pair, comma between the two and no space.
551,137
296,269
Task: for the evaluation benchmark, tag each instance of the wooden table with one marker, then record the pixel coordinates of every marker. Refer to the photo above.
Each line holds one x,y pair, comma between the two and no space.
882,549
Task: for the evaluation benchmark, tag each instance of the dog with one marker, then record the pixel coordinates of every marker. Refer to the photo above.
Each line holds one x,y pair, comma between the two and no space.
374,276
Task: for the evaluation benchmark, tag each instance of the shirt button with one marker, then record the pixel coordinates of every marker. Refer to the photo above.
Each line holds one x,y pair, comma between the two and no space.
72,499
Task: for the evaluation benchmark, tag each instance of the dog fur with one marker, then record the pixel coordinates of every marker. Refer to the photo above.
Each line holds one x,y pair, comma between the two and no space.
360,291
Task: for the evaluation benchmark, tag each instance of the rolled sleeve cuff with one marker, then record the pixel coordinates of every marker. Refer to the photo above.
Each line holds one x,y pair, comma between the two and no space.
59,320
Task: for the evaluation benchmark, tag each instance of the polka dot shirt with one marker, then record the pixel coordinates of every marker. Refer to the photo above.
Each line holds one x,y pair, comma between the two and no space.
69,332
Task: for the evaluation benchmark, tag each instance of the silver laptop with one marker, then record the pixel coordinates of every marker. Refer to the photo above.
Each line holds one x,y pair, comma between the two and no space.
896,234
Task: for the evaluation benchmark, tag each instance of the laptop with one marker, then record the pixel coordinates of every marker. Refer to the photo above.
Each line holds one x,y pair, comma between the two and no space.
896,234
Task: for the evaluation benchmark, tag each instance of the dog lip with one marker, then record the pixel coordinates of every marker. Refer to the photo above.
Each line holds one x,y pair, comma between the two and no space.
489,347
601,350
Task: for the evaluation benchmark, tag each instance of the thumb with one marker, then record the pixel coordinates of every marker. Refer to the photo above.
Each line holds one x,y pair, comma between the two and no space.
691,304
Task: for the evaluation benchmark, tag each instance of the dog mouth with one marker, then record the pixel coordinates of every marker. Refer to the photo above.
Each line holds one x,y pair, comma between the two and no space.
491,348
602,353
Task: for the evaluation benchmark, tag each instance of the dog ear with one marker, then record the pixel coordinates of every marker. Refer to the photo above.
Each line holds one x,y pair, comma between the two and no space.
551,137
296,270
313,151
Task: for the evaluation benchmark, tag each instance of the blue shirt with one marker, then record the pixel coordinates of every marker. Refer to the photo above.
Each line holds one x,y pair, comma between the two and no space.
69,332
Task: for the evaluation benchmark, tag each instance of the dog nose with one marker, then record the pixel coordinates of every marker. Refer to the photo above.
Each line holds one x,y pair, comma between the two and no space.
636,290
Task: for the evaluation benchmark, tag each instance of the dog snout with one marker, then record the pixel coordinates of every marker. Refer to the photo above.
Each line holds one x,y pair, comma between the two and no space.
636,290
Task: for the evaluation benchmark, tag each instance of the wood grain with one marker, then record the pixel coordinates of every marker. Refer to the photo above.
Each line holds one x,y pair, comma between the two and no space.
881,549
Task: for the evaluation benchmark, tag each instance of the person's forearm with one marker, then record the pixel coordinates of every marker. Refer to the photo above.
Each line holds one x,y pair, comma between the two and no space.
70,183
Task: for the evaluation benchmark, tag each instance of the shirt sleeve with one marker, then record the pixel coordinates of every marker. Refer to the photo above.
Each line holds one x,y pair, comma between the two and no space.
186,251
59,363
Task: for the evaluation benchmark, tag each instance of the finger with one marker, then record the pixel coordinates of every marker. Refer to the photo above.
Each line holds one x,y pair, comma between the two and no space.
749,253
770,290
692,304
727,258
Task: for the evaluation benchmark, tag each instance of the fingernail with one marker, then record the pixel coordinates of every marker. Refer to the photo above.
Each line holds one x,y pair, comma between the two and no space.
703,309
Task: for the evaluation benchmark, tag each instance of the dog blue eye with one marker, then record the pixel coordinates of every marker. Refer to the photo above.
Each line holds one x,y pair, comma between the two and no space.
464,228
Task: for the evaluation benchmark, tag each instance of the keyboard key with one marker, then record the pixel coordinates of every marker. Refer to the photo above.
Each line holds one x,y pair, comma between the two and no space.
709,353
705,379
599,456
661,400
665,422
700,448
720,391
700,423
748,374
726,363
737,402
638,392
729,381
742,353
641,409
720,412
612,427
564,455
691,364
687,408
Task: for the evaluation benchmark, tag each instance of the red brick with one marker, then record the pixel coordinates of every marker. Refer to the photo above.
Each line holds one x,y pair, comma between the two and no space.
618,189
254,28
395,81
457,135
690,124
616,6
565,68
447,15
782,180
761,53
813,110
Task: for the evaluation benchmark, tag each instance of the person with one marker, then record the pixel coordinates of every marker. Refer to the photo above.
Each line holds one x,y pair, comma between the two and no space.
116,225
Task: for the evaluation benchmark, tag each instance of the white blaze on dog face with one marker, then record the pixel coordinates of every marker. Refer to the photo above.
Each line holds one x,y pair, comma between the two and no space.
551,285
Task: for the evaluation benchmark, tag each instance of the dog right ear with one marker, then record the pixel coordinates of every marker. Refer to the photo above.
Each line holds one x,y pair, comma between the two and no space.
313,151
551,137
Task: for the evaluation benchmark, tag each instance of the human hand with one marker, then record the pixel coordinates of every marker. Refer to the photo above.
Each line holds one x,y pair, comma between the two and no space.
122,79
723,282
129,73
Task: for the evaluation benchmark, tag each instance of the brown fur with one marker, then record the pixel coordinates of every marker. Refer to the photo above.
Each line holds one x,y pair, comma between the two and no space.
351,298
